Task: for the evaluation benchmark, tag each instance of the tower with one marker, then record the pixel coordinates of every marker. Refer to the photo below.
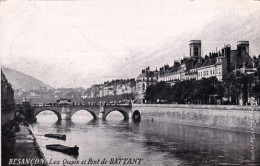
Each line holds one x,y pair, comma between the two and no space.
243,46
226,52
195,48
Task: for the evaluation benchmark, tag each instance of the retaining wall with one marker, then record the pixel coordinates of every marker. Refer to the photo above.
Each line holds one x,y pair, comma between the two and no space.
238,118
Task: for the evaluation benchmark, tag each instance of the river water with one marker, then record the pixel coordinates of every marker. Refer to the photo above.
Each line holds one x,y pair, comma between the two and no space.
148,142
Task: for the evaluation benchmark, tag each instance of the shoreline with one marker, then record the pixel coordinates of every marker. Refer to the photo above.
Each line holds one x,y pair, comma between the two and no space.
233,118
23,149
37,145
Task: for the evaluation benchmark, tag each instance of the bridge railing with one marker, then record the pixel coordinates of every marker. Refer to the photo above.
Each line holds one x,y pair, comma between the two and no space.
83,104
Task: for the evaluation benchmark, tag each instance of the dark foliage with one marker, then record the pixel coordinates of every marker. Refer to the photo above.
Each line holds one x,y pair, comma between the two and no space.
205,91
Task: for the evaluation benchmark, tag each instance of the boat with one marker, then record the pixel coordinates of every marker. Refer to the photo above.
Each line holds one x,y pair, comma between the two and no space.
58,136
65,149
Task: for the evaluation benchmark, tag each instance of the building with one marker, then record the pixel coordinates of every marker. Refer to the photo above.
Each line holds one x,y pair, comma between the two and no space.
119,90
109,89
171,74
7,100
216,64
126,87
145,79
96,91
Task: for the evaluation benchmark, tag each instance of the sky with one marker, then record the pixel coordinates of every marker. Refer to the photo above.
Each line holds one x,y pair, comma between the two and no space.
77,43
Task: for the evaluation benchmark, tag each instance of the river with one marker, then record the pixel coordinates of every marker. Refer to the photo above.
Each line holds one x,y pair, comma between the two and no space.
149,142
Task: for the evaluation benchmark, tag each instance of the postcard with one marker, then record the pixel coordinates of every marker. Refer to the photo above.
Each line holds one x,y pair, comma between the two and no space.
130,82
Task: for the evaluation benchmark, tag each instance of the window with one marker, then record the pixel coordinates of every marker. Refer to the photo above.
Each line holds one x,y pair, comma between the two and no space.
196,51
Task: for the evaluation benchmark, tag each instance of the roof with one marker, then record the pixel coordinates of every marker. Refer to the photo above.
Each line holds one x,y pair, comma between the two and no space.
149,74
197,65
245,58
209,62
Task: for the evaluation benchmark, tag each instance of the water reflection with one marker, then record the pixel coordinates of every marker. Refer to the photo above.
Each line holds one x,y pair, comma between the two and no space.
201,145
158,143
63,126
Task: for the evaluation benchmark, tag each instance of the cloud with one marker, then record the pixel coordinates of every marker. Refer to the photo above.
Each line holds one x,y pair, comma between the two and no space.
78,43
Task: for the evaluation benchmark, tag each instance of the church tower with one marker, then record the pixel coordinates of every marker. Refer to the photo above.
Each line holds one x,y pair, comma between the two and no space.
243,46
195,48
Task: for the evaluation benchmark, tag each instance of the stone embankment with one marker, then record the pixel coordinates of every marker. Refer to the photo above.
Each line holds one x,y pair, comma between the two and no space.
23,149
238,118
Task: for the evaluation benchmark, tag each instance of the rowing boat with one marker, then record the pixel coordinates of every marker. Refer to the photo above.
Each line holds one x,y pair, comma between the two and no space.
65,149
58,136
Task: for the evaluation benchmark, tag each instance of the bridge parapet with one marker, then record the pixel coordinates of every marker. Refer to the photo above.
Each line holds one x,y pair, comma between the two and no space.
67,111
80,105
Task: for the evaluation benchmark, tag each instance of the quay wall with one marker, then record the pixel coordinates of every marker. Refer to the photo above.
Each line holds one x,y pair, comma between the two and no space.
37,146
238,118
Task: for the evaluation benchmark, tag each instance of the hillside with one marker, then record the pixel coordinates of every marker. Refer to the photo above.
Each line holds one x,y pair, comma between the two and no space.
23,81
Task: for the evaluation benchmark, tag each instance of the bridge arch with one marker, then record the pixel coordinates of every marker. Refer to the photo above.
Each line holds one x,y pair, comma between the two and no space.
54,111
124,113
136,115
91,112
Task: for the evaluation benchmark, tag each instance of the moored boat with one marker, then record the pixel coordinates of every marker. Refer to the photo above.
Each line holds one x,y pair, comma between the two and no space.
65,149
58,136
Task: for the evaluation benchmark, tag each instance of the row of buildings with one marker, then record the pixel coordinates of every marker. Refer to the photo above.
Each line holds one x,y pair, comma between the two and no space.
214,64
110,88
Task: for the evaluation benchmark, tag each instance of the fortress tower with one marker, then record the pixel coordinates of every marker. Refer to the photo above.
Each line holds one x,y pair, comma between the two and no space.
195,48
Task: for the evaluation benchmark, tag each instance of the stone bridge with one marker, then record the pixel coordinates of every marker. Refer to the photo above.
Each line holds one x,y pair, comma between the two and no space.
65,112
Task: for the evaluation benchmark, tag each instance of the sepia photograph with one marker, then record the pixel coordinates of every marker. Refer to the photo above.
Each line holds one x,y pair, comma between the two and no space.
130,82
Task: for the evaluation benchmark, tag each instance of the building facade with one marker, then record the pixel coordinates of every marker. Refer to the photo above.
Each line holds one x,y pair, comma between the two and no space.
145,79
110,89
219,64
216,64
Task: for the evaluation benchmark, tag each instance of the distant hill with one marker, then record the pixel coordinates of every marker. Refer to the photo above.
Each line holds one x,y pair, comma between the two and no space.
23,81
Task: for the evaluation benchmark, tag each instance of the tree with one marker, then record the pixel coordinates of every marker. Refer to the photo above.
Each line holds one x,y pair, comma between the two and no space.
159,92
149,93
238,85
220,91
256,91
205,89
232,87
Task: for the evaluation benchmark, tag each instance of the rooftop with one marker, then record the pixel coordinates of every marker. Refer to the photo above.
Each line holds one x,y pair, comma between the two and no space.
195,42
243,42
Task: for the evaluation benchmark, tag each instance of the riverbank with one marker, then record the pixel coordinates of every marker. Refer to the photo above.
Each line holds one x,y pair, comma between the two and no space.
22,149
228,117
